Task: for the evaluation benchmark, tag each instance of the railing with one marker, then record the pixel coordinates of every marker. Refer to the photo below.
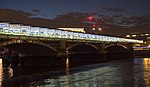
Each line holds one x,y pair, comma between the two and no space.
21,30
142,48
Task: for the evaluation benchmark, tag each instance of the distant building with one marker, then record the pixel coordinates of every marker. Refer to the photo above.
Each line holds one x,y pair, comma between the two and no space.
73,29
140,36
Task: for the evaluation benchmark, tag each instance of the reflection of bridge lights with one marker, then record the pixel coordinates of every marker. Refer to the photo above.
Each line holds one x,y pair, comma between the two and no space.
146,68
1,71
5,72
66,51
67,67
67,62
67,58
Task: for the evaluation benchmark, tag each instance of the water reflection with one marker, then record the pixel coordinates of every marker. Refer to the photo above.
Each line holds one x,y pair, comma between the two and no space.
122,73
1,72
146,72
125,73
98,75
5,72
67,68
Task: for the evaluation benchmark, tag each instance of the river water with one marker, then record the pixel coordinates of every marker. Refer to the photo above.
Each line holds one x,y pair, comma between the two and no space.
120,73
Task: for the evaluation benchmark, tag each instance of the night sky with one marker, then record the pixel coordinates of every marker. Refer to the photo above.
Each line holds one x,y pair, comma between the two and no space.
121,16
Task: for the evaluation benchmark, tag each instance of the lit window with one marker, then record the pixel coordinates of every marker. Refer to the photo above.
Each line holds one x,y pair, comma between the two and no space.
93,29
133,35
146,34
100,29
127,35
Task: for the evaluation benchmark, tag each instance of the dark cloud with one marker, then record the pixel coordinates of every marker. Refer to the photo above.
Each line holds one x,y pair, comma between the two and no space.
27,18
37,12
13,15
18,16
74,16
121,25
116,10
112,25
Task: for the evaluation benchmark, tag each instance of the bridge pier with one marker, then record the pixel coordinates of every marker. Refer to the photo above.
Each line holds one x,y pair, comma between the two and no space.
130,50
62,49
102,50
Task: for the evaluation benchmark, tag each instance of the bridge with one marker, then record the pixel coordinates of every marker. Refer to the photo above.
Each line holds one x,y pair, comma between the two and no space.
25,39
30,41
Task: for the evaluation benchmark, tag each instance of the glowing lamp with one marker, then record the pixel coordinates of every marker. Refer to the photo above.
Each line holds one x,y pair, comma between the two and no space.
90,18
93,29
100,29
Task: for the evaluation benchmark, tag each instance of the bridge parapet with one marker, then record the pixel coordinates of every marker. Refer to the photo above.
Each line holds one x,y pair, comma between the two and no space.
55,34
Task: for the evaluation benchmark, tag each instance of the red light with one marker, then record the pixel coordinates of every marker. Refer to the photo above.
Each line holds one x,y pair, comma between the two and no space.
94,25
90,18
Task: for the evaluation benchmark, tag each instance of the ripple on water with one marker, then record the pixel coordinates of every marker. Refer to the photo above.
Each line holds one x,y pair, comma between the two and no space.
120,73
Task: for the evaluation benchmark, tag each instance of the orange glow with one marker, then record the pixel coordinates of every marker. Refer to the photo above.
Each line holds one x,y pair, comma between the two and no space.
67,62
1,72
67,66
146,67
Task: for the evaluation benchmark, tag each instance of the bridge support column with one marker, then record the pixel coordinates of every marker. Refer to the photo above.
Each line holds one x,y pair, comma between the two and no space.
130,48
102,50
62,50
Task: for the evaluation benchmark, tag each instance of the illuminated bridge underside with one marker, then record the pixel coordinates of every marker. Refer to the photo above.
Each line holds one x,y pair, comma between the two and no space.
10,30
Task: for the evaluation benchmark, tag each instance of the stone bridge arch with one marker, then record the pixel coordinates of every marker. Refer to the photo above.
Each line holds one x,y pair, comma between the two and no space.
116,48
13,44
86,47
125,47
118,51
